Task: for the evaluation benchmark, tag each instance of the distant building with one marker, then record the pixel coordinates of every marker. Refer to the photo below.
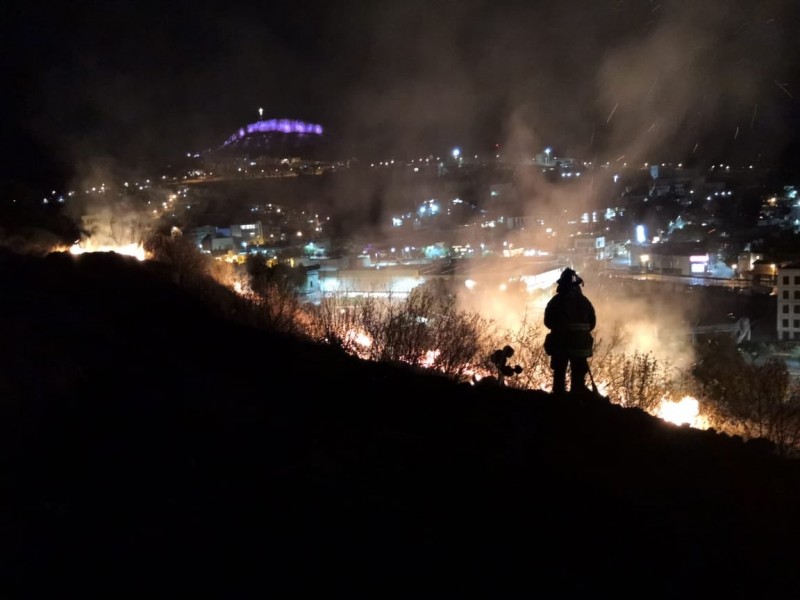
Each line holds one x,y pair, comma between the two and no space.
397,281
764,274
691,259
210,238
746,261
518,222
788,285
222,244
588,247
249,233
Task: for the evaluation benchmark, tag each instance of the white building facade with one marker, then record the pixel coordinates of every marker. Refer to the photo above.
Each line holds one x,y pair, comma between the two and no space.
789,302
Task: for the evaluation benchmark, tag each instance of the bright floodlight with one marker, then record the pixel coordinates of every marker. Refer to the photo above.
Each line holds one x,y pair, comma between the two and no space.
456,152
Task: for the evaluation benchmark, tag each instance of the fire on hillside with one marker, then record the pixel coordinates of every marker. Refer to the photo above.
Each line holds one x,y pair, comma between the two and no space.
682,412
135,250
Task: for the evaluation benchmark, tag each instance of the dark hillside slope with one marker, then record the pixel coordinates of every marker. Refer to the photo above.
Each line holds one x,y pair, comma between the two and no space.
149,446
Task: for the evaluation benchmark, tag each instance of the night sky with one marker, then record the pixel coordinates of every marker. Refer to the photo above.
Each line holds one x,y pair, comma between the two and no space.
134,84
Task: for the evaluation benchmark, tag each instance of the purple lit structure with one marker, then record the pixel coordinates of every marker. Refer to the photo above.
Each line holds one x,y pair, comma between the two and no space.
275,126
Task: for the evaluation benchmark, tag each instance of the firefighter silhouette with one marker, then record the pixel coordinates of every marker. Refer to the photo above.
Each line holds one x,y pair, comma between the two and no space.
571,318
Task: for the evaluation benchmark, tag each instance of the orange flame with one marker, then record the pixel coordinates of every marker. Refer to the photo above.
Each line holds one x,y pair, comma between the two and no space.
684,412
134,250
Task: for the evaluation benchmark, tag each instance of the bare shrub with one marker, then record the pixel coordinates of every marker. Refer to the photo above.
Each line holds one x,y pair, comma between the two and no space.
405,336
750,399
224,273
642,381
336,321
637,379
759,393
273,293
188,265
765,404
528,338
784,423
424,329
353,323
278,307
608,357
457,338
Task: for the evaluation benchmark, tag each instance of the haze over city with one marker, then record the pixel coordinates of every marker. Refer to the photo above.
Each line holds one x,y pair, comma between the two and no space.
137,85
513,129
276,277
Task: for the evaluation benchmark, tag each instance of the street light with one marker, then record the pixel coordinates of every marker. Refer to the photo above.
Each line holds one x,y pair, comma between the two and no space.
547,152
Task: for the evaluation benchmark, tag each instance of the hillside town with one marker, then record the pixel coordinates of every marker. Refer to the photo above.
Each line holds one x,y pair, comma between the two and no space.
486,223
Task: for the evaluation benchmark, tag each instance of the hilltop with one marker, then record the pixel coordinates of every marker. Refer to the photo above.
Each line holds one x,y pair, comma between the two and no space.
153,445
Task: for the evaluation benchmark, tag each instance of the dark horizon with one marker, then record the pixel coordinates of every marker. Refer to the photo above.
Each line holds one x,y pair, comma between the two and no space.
133,86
